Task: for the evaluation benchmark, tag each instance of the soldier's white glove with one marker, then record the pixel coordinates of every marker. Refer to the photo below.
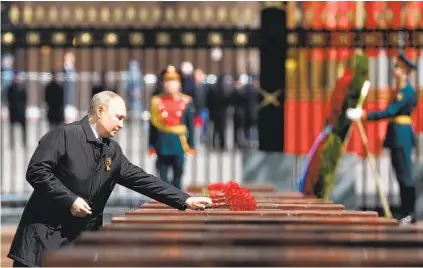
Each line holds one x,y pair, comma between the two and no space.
354,113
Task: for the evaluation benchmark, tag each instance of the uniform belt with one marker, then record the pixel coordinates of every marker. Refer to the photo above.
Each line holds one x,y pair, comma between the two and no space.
179,130
402,120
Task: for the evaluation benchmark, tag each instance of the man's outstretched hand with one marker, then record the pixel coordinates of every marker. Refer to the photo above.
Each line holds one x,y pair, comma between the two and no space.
198,202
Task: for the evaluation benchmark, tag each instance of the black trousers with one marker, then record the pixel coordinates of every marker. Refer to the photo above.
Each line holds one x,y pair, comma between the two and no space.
176,163
22,123
402,164
219,129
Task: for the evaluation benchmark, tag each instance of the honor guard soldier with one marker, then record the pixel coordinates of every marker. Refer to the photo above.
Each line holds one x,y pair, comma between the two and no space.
171,127
400,138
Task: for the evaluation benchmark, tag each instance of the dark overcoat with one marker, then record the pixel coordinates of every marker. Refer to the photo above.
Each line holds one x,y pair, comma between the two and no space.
17,100
70,162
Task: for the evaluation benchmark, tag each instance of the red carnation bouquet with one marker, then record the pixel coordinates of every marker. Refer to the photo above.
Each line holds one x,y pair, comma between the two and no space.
230,195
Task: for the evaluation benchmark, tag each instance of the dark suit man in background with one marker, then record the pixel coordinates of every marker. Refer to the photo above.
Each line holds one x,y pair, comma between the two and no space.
17,99
54,97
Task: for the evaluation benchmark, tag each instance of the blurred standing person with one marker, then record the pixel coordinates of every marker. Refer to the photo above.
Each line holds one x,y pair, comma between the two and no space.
159,84
238,100
69,86
102,85
188,83
400,138
217,103
69,79
54,97
134,89
252,96
171,134
17,100
201,91
7,74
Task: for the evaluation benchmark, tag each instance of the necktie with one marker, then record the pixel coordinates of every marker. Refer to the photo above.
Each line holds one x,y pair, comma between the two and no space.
98,148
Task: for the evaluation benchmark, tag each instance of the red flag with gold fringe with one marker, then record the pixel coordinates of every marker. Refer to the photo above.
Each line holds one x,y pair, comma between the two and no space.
346,21
375,18
314,19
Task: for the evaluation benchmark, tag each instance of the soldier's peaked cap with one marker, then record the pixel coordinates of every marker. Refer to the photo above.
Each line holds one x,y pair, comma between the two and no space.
407,61
171,74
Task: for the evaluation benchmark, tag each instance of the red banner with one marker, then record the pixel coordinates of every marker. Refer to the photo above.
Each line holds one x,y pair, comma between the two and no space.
420,14
313,19
375,14
330,14
393,14
313,14
412,14
375,19
394,20
308,11
346,21
412,17
346,15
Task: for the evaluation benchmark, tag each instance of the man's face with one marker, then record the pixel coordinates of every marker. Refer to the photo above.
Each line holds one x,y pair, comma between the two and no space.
70,58
110,119
172,86
198,76
400,70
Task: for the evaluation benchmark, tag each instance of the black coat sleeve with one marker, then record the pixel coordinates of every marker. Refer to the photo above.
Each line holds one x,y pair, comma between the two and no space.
136,179
42,164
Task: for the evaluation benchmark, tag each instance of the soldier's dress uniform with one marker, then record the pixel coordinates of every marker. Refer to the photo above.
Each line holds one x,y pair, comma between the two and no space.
400,138
171,134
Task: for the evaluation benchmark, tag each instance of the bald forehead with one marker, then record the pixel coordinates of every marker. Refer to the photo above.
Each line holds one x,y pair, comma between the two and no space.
117,107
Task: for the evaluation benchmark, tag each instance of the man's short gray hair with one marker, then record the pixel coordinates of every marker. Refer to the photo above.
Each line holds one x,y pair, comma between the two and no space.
101,98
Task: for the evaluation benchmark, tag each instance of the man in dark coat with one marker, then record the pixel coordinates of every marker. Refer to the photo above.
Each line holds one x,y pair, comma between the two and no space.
54,97
217,103
73,172
17,100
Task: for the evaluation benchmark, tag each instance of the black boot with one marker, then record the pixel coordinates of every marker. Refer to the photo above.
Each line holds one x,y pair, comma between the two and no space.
410,219
408,200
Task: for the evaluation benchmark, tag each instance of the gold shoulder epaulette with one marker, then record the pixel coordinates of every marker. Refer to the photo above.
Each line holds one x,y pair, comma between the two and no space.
186,98
155,100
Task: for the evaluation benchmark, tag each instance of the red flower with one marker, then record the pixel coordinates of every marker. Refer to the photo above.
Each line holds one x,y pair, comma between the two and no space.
218,186
241,199
231,195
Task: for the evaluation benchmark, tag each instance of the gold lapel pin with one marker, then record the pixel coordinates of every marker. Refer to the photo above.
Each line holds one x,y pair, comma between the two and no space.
108,164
